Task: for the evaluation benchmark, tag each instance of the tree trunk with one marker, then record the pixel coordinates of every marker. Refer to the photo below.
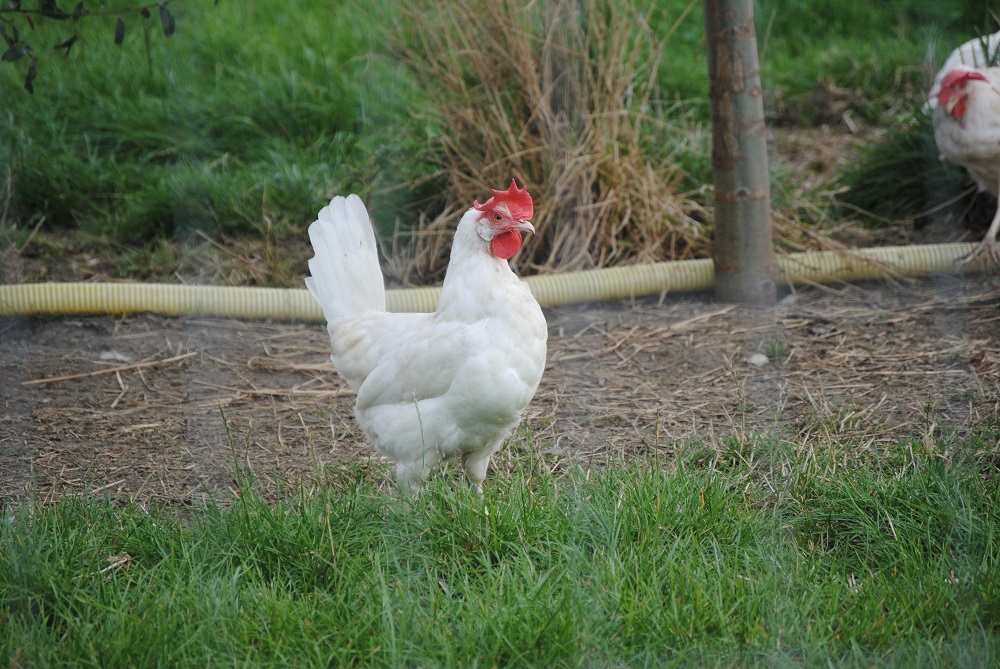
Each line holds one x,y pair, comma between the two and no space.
744,253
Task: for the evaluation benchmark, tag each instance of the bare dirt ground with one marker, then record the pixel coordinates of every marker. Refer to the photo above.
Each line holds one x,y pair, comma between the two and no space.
192,399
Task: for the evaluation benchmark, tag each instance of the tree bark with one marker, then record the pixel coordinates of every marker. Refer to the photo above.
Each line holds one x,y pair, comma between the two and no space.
744,253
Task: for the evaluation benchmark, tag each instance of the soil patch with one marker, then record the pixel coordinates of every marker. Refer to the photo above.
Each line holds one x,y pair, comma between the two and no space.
157,409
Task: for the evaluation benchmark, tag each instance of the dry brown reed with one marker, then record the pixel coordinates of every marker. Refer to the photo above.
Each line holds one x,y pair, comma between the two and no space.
561,96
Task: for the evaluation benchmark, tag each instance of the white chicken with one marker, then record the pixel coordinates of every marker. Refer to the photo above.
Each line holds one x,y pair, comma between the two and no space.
433,386
967,132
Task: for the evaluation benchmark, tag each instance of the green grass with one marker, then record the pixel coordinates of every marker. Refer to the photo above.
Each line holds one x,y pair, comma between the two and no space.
251,110
876,50
889,562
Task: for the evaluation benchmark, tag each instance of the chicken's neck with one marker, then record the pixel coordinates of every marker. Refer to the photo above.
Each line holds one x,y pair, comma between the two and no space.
477,284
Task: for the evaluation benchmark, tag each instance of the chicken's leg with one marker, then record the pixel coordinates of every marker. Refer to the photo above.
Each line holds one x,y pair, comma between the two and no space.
989,243
411,475
475,464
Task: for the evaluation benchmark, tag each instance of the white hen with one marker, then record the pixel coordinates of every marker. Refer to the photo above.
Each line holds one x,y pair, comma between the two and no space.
433,386
967,132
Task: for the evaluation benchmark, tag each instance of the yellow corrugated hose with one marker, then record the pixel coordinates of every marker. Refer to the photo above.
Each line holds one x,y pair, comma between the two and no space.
295,304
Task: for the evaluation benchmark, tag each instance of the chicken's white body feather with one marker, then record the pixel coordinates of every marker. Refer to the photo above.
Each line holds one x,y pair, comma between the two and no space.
429,386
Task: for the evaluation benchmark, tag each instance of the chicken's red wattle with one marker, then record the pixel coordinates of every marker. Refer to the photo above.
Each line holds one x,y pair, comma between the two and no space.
506,244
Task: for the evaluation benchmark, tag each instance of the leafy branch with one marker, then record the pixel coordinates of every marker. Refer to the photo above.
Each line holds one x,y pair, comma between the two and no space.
19,47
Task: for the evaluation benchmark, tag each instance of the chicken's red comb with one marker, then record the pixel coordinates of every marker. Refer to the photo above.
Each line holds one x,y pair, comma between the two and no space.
952,78
517,200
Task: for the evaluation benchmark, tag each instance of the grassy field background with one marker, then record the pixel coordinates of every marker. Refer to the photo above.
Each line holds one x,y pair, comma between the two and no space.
253,114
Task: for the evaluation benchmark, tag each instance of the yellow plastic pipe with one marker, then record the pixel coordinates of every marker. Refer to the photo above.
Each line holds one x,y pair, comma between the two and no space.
296,304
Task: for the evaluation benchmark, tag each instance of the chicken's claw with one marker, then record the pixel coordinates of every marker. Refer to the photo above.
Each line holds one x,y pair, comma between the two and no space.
987,247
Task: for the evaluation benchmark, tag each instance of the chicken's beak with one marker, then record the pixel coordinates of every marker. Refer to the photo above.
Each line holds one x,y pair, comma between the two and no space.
524,226
945,97
950,102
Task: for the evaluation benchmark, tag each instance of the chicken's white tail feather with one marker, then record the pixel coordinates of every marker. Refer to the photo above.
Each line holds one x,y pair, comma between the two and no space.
346,279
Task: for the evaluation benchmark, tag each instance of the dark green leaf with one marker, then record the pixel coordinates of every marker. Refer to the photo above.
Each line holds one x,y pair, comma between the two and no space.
11,38
10,41
167,20
119,31
51,10
68,44
14,53
29,79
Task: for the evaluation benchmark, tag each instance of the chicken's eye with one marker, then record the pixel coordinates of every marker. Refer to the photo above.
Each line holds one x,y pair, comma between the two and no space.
497,217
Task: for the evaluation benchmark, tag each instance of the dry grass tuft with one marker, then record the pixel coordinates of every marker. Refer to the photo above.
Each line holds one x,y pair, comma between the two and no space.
560,96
